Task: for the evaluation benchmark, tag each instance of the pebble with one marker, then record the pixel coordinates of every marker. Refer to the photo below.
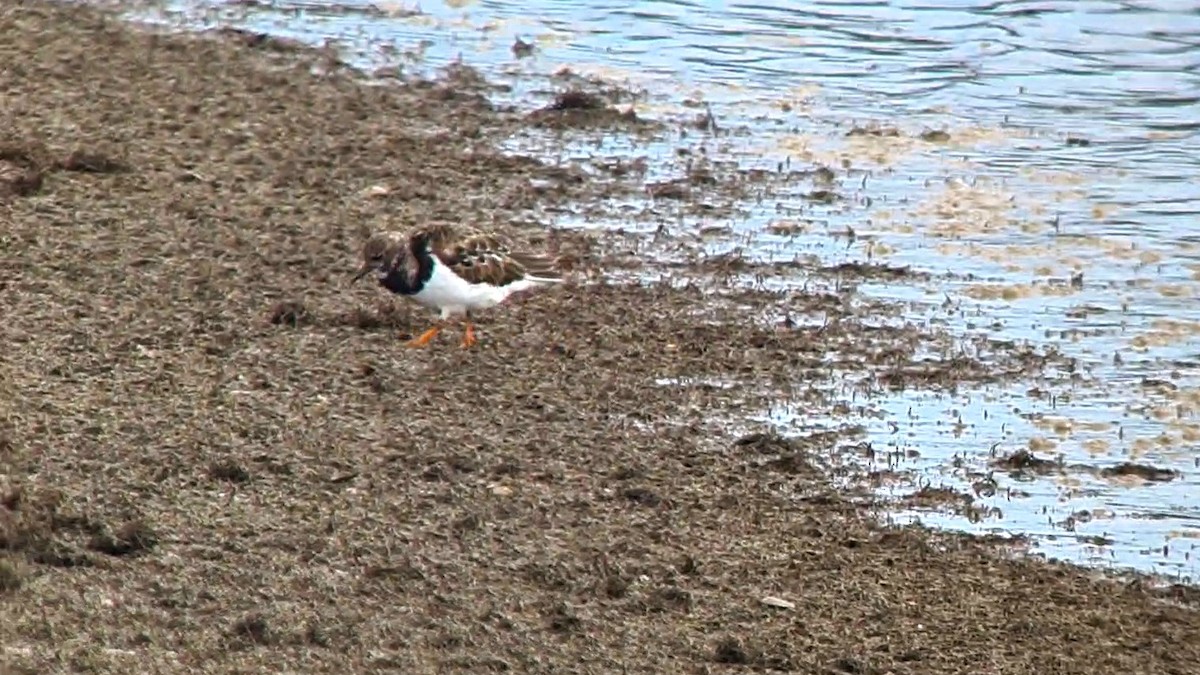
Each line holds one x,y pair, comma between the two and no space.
772,601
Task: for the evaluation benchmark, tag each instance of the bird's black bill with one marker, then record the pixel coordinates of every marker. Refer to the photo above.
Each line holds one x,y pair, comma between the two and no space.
360,274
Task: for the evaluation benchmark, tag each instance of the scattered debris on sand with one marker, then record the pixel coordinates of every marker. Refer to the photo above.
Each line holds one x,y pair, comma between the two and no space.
214,454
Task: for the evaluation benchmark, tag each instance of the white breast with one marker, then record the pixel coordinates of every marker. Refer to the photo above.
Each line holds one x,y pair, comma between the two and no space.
452,294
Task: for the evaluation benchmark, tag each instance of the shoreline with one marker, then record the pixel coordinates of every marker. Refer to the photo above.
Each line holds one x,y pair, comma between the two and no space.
1090,510
193,478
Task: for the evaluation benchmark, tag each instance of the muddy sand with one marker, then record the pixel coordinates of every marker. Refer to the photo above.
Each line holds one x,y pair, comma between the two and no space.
217,457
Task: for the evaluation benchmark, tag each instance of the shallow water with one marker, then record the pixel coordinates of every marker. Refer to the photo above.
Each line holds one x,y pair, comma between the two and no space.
1073,140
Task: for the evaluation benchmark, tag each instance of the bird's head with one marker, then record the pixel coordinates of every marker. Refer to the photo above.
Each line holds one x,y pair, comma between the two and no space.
380,253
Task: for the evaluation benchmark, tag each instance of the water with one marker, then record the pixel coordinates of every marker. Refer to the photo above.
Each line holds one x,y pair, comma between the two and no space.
1063,201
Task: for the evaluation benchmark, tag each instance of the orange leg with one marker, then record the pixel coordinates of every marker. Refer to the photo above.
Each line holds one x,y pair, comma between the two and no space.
424,338
469,336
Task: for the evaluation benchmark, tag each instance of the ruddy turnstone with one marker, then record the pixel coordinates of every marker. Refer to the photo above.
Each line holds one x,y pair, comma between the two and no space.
454,269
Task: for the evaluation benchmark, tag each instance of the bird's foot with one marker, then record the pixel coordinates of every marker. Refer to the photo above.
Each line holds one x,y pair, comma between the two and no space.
469,340
424,338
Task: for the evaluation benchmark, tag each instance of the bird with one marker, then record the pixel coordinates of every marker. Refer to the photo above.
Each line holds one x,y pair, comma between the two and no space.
453,268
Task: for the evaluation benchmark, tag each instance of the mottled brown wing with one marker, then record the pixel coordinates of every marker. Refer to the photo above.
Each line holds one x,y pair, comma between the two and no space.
484,258
537,265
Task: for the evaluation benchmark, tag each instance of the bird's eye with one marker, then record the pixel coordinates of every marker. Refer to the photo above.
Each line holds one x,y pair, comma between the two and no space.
376,257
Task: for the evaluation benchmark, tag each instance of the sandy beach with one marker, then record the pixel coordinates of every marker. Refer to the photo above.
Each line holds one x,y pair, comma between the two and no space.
217,456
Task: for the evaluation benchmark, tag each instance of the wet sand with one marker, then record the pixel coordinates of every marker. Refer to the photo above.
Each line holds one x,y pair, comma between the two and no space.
214,456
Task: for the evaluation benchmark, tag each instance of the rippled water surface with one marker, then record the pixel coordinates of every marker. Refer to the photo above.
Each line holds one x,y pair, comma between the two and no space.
1062,196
